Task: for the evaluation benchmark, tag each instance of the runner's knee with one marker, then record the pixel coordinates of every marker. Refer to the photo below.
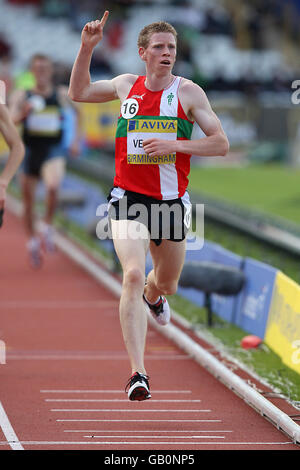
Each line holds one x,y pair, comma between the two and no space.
52,190
52,184
167,287
53,173
134,278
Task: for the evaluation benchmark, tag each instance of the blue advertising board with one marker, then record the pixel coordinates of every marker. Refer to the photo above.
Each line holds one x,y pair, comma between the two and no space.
254,302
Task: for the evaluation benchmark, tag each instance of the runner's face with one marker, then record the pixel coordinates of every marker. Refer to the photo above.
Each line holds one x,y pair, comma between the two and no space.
161,52
42,70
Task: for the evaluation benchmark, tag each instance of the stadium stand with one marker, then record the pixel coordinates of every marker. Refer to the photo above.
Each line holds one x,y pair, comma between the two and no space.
227,46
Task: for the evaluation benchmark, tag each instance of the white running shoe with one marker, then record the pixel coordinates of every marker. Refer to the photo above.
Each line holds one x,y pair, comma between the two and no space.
48,239
160,311
138,387
34,251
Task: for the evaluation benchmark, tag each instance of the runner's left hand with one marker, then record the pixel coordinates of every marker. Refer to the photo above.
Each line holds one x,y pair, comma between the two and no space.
157,147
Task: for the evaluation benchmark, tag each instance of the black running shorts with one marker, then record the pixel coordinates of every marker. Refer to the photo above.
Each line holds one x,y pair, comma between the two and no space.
164,219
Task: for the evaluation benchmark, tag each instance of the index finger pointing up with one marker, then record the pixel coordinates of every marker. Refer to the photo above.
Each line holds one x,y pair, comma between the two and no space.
104,18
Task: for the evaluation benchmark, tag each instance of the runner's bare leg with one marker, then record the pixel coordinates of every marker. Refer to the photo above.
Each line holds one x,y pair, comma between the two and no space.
28,184
52,173
168,259
133,315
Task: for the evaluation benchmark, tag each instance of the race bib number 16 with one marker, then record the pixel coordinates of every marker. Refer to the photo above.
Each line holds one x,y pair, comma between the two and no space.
129,108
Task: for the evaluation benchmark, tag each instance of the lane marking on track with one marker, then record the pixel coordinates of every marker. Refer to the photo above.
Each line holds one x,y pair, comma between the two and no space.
49,304
118,400
141,420
88,357
8,431
110,391
130,411
155,437
145,430
64,443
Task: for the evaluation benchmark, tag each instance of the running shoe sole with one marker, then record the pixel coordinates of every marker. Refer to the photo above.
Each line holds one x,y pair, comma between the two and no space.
139,388
139,393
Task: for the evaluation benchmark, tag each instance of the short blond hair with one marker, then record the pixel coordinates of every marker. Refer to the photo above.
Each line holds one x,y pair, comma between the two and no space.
158,27
39,56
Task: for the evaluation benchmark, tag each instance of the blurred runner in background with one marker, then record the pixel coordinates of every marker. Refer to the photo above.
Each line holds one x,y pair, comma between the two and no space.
40,110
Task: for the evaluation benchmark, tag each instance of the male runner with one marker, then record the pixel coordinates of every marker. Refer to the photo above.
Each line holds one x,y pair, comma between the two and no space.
40,111
16,154
152,163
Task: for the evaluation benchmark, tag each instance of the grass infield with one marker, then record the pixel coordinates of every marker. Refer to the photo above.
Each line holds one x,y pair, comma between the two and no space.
271,189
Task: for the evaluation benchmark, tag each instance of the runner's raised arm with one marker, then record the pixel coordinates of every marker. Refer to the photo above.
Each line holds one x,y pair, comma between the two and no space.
81,88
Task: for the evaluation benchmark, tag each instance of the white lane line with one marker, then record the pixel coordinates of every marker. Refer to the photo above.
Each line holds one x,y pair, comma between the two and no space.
85,357
59,304
108,410
114,400
140,420
155,437
8,431
109,391
64,443
144,430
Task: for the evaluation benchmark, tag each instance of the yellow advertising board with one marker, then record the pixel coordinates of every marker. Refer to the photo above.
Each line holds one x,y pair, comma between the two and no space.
283,327
99,122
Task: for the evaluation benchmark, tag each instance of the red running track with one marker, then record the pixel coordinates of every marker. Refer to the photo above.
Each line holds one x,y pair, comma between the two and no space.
62,386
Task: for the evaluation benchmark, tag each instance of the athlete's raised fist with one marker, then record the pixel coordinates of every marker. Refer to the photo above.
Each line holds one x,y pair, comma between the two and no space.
92,32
